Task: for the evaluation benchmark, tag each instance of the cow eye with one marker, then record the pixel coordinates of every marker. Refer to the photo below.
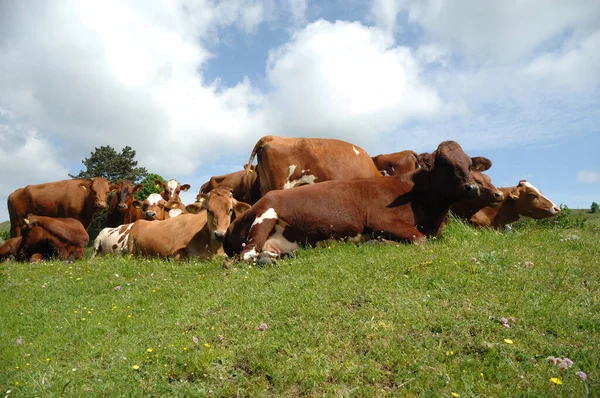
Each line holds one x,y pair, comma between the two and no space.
230,210
532,194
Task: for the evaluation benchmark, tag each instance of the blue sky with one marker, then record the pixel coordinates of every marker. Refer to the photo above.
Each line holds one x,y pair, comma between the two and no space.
192,85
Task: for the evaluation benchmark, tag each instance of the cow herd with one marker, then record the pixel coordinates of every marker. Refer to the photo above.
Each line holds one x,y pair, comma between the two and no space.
339,192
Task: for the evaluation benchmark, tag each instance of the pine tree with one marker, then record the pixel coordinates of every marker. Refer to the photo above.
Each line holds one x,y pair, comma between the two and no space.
106,162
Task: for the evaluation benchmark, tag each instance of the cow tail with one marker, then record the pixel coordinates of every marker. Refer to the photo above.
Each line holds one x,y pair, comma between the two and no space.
257,148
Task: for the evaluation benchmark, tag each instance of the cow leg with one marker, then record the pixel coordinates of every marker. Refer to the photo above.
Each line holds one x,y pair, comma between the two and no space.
397,230
259,233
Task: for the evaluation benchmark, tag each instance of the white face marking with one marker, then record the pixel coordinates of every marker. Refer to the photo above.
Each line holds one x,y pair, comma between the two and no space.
154,198
175,212
529,185
292,169
172,186
277,243
251,255
269,214
305,179
355,150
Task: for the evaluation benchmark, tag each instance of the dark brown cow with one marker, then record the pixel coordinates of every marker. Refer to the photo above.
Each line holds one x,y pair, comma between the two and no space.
121,209
522,201
397,163
290,162
8,251
243,184
489,195
156,208
188,235
62,238
78,198
407,207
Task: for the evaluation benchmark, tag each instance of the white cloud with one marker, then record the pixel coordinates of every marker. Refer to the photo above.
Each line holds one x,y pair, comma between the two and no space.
346,80
385,13
588,177
297,8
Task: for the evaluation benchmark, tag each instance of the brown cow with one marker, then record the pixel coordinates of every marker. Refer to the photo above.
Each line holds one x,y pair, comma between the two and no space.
78,198
407,207
397,163
489,195
199,234
63,238
290,162
8,251
171,189
156,208
243,183
519,202
120,210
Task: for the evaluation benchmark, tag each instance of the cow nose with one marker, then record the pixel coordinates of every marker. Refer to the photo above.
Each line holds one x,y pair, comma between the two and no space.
498,196
122,206
101,205
150,214
219,235
555,209
471,190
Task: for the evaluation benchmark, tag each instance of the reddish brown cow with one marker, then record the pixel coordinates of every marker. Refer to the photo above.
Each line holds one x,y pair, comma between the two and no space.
8,250
171,189
121,209
78,199
156,208
290,162
189,235
489,195
243,183
522,201
397,163
407,207
63,238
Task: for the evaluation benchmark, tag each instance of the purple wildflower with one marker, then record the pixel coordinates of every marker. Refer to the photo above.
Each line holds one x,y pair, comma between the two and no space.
552,360
221,337
562,365
19,341
581,375
195,340
262,327
118,288
568,362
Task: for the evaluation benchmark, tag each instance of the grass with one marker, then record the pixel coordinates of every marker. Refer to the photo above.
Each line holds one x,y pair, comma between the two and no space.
366,320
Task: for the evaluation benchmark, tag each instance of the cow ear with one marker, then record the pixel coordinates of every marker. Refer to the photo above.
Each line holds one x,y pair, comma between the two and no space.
137,204
201,197
114,188
159,184
514,194
194,208
425,160
185,187
138,187
480,163
83,186
240,207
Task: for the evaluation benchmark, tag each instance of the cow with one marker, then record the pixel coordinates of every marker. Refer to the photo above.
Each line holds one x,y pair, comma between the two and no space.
156,208
171,189
408,207
78,198
489,195
49,237
120,209
199,233
397,162
284,163
112,240
243,183
522,201
8,250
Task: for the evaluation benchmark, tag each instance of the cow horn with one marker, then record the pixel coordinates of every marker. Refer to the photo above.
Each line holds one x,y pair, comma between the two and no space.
26,221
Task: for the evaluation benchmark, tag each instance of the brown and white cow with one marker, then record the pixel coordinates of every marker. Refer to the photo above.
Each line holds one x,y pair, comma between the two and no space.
171,189
284,163
196,234
8,250
49,237
78,198
396,163
489,195
154,207
522,201
407,207
120,209
243,183
112,240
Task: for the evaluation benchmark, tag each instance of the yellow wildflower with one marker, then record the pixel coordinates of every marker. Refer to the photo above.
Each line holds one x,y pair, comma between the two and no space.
135,367
508,341
556,380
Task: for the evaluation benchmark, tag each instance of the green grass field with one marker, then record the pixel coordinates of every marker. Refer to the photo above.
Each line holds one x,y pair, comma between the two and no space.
345,320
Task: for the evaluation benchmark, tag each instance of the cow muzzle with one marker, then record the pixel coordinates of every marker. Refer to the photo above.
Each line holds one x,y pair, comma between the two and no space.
555,209
122,206
219,235
471,190
150,215
101,205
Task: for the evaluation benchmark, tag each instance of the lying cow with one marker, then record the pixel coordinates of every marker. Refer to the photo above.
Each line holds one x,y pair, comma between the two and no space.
78,198
157,208
243,183
120,209
407,207
397,163
489,195
196,234
522,201
8,250
48,237
112,240
284,163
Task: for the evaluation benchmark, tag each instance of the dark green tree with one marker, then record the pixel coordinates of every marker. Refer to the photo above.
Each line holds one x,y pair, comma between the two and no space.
106,162
149,186
595,208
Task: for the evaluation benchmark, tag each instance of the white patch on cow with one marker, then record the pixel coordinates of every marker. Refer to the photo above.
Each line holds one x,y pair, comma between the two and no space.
305,179
251,255
304,171
292,169
172,186
384,172
530,186
175,212
277,243
269,214
111,240
154,198
355,151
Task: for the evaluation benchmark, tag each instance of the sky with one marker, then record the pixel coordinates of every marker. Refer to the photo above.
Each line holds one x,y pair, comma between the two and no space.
192,85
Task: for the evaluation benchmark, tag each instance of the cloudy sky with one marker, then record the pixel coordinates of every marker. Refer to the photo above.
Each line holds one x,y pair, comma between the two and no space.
192,85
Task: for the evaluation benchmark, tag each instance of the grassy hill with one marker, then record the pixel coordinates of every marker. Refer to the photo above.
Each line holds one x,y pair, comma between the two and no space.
475,313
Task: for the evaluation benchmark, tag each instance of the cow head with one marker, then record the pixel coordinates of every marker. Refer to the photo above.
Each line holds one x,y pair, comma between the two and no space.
155,207
99,188
125,191
221,209
530,202
451,172
171,189
489,195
